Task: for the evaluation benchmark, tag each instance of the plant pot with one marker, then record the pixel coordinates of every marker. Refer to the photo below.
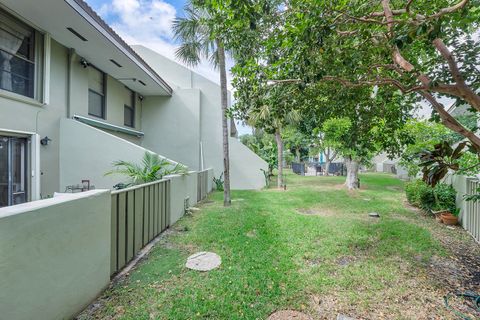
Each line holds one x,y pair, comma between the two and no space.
449,219
438,214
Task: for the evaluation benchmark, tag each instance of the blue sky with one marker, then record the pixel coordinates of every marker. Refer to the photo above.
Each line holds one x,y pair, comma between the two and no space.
148,23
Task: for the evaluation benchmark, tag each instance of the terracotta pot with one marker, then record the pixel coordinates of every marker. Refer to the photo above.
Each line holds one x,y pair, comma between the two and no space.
449,219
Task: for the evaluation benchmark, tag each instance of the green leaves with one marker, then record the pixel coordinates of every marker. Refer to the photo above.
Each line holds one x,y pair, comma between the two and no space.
152,168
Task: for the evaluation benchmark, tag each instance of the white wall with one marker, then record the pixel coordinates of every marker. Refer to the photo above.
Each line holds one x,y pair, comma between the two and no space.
172,126
181,187
55,255
88,153
245,167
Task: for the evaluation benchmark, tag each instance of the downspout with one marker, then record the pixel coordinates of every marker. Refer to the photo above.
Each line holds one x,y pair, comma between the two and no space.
71,56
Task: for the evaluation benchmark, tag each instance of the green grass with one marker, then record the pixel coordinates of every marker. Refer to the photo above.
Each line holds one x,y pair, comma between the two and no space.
275,258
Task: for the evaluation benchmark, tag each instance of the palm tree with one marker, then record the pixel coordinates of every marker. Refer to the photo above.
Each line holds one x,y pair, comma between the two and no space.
151,169
195,34
272,116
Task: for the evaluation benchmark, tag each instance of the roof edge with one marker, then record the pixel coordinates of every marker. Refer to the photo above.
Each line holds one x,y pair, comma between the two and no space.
142,63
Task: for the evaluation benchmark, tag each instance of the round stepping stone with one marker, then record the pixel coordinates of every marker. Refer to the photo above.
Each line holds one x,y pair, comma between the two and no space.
203,261
289,315
374,215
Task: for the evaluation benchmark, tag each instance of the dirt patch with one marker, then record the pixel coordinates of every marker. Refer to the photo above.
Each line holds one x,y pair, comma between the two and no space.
251,233
322,212
394,188
313,262
460,270
289,315
345,261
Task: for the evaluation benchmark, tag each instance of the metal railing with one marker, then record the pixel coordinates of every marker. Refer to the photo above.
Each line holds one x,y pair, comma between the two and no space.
471,215
139,214
202,185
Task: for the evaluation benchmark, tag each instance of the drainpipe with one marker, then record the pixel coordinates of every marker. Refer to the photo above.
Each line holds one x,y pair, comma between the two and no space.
71,56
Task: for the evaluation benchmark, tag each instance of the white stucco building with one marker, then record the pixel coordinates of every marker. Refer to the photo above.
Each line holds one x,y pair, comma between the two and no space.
74,97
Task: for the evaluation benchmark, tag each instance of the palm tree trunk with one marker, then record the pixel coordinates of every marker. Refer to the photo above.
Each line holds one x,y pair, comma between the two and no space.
278,138
233,128
224,99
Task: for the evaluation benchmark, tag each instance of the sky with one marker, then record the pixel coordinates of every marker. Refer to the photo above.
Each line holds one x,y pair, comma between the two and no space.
148,23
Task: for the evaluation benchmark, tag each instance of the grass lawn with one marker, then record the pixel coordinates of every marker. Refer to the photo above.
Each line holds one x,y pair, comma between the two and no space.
311,248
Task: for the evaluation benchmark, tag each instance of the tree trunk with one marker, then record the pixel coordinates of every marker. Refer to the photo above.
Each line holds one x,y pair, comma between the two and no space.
297,155
233,128
278,138
327,166
353,166
224,100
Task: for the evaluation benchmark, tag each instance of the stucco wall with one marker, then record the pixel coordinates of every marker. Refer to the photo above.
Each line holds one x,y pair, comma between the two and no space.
245,167
44,120
113,98
181,187
88,153
55,255
172,126
21,115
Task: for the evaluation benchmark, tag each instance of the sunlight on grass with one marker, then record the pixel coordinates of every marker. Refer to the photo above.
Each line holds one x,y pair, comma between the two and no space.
274,257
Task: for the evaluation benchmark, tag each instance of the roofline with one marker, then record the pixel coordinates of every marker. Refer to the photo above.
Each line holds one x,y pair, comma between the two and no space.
88,13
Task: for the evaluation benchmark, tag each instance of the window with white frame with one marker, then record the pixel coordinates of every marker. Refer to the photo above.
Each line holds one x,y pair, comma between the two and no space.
96,92
129,108
21,50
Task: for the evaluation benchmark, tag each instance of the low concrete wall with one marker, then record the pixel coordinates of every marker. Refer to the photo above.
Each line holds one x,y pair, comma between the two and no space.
210,180
245,167
181,187
88,153
55,255
192,185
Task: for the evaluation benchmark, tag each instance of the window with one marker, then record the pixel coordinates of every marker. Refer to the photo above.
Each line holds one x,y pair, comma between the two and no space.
20,49
129,108
96,92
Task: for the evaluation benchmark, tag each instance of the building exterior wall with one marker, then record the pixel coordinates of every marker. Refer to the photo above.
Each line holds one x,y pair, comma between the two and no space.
170,120
55,255
26,115
88,153
246,167
172,126
42,119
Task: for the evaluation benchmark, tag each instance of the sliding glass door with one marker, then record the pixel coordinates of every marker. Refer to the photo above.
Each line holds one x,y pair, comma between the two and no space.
13,171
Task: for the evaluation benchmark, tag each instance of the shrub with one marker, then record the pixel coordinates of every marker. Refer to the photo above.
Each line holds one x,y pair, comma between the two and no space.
445,197
421,195
219,182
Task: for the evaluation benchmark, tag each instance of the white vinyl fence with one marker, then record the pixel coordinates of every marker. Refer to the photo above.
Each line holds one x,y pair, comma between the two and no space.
471,214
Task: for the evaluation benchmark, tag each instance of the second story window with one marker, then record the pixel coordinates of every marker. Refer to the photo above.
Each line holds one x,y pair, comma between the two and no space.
96,92
129,108
17,56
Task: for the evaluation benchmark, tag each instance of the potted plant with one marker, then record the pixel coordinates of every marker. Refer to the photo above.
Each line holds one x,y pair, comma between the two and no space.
450,218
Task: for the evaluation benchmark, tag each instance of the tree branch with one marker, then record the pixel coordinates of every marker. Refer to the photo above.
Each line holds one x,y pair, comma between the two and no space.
448,10
382,81
450,122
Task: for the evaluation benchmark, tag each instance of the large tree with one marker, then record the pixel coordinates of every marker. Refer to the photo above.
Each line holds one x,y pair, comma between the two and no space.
199,39
428,48
357,122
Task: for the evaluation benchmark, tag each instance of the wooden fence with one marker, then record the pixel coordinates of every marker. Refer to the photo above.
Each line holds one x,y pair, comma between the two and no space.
139,214
202,185
471,215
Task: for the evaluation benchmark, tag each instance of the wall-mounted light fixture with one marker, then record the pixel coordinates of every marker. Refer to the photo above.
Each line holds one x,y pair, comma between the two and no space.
45,141
84,63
